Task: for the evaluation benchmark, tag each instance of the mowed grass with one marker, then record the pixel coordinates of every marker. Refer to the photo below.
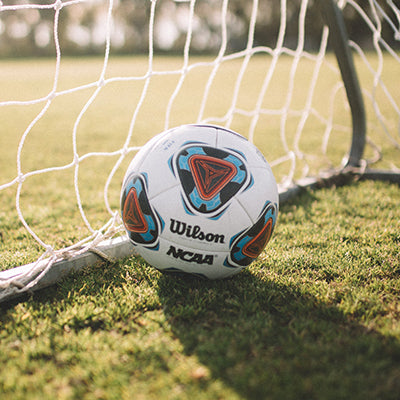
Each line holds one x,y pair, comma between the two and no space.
48,201
316,317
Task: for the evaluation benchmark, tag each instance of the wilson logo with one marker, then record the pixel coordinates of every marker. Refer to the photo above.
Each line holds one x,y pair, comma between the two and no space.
194,232
190,256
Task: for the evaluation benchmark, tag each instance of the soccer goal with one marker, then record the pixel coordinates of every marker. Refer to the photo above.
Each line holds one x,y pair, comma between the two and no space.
314,84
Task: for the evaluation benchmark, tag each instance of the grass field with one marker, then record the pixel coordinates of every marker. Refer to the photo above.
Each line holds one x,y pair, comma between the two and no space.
316,317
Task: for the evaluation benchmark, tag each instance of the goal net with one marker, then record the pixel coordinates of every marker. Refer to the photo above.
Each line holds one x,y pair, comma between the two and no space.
264,68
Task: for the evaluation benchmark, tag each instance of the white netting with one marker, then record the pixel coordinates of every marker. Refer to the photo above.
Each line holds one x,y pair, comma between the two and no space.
286,96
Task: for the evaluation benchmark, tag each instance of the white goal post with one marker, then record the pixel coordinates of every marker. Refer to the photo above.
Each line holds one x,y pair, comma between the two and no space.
311,82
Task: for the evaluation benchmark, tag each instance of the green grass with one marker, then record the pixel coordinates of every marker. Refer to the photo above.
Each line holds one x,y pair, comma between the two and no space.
316,317
48,201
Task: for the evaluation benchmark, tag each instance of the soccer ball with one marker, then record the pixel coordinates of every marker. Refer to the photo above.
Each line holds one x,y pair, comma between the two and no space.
199,199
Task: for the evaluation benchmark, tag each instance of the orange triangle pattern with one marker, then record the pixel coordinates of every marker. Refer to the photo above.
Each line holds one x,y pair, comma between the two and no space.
210,174
133,215
256,245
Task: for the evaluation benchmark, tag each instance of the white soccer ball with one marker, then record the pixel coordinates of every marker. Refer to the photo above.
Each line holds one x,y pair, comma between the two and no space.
199,199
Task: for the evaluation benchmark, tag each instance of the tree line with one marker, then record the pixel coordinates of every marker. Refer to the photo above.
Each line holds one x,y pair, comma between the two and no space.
82,26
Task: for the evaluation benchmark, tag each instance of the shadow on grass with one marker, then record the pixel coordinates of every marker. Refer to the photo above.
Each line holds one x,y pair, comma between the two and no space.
263,339
266,340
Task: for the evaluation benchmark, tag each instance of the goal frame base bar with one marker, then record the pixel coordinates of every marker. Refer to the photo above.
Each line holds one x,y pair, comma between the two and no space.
110,249
120,247
337,178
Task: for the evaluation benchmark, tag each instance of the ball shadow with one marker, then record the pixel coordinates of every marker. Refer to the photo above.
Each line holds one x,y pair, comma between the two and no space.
269,340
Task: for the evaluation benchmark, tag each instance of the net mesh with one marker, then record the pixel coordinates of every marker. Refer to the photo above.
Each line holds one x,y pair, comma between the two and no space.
286,96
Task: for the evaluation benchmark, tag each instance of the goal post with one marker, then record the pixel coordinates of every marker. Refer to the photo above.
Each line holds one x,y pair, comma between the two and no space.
339,39
263,68
340,42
